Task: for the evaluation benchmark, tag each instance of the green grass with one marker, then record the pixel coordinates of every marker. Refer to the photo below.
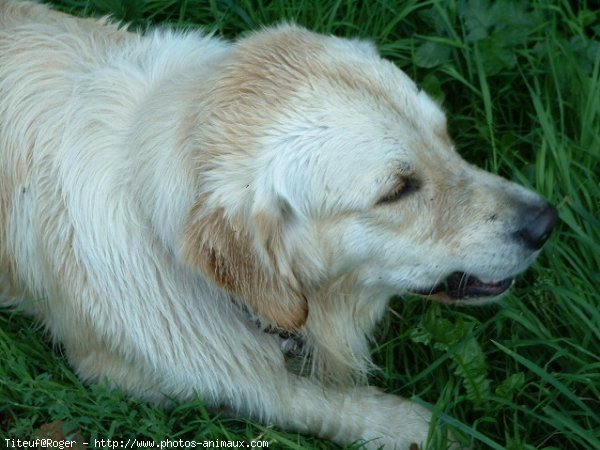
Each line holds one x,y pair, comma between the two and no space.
521,86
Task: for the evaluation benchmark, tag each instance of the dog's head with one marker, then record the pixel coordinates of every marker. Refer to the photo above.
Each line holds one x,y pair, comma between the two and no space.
320,160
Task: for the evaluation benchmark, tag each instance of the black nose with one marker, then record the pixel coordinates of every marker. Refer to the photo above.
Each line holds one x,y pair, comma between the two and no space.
538,225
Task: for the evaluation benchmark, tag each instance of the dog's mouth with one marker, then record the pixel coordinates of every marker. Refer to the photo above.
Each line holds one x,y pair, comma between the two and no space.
461,286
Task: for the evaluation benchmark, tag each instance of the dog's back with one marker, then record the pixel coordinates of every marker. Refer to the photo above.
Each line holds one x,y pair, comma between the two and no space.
71,89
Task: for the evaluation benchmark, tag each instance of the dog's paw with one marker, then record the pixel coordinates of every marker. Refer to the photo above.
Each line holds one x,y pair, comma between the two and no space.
393,422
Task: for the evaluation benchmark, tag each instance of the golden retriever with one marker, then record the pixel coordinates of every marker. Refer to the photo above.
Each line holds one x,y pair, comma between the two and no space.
191,212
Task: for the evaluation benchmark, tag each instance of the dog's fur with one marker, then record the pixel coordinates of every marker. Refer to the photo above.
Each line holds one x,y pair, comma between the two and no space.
171,198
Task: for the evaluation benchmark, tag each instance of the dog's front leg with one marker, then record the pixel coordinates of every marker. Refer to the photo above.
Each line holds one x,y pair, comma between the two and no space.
359,414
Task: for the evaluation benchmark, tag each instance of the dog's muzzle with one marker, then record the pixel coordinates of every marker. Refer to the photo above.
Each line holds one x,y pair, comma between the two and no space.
537,226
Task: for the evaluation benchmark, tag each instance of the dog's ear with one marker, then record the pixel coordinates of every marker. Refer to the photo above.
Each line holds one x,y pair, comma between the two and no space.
230,255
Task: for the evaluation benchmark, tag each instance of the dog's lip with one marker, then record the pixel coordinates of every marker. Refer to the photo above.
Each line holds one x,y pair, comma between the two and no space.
460,286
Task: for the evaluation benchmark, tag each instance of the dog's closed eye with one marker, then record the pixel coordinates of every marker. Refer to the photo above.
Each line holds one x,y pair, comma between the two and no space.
406,185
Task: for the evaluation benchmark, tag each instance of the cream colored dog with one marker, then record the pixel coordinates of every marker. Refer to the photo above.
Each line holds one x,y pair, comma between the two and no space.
191,212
